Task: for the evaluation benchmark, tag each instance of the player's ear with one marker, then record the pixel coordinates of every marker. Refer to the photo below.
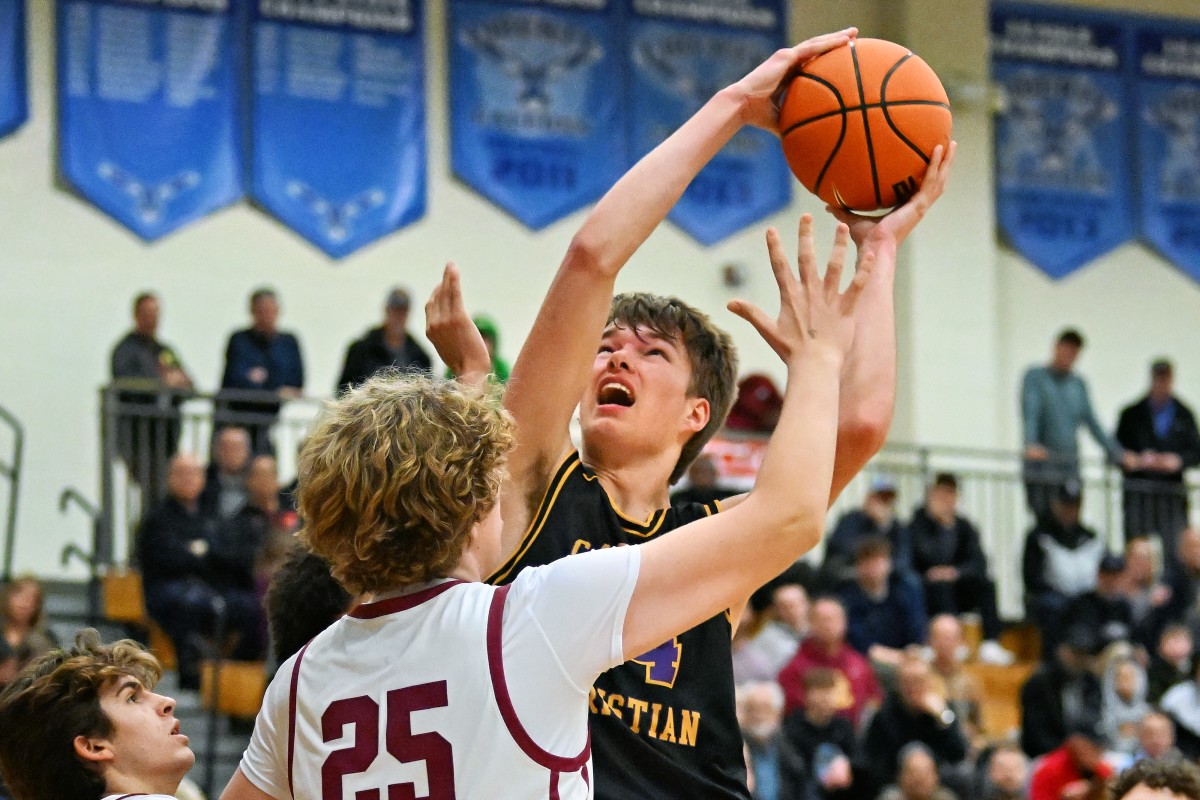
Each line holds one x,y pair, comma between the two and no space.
93,749
698,413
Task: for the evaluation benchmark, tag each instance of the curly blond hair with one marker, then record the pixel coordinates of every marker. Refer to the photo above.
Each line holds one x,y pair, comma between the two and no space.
55,699
396,474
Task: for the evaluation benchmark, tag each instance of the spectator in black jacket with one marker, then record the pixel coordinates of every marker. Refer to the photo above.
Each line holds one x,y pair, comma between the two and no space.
262,359
173,545
876,518
1061,693
947,554
1160,431
1060,562
1105,609
824,739
225,480
915,712
389,345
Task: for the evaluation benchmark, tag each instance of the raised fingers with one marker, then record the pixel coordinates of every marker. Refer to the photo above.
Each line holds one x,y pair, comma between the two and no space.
806,255
780,266
837,258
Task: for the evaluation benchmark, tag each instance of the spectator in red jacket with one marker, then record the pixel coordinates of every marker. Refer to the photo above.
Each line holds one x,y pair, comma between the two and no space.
826,647
1076,770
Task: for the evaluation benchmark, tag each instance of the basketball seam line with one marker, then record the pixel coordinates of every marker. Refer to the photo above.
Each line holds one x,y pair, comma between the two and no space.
888,117
841,136
862,100
848,109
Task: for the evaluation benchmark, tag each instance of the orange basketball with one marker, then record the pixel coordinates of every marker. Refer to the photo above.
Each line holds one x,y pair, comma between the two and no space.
859,124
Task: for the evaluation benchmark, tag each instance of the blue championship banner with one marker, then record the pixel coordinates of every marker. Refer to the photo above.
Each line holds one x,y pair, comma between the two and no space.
1167,64
681,53
148,108
1064,188
537,125
338,118
14,104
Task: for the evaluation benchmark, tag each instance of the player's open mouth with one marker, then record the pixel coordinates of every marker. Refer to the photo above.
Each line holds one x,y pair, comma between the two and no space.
176,728
615,394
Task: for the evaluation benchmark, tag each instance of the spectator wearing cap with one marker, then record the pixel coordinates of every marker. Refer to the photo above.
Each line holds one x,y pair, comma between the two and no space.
1160,432
886,613
1076,769
1054,404
265,359
1182,704
389,345
1060,693
947,554
1060,562
877,518
1104,608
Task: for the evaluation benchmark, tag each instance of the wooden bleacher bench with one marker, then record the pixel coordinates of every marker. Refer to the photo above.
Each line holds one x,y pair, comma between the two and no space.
240,688
1001,687
125,602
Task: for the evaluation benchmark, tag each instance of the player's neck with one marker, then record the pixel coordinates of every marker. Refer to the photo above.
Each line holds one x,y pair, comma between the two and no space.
637,487
119,783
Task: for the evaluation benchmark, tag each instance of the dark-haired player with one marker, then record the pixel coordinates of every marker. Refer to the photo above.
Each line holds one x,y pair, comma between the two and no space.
83,723
653,379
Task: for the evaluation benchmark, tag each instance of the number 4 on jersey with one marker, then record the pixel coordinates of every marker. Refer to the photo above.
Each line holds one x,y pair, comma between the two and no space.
662,663
406,747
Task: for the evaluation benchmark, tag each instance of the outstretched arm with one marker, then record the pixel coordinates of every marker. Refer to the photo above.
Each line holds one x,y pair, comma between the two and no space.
551,371
695,572
868,393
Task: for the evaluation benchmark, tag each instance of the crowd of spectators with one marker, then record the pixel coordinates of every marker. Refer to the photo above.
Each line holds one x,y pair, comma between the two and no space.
852,673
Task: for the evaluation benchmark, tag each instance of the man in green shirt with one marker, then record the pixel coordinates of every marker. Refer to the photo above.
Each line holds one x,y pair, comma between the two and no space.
1054,404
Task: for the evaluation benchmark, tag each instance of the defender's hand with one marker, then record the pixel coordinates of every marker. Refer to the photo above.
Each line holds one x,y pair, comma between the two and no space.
452,333
814,313
895,227
759,91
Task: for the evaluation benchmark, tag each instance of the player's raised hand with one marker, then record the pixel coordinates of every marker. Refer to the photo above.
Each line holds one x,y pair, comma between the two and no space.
759,90
895,227
452,333
814,314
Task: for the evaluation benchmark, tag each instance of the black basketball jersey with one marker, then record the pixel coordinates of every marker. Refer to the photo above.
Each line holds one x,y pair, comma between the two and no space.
663,725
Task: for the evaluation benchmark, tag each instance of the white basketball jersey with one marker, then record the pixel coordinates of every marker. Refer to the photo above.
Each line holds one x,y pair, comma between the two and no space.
409,697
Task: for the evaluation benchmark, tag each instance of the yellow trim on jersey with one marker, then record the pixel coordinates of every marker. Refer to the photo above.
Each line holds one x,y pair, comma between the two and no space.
649,519
539,519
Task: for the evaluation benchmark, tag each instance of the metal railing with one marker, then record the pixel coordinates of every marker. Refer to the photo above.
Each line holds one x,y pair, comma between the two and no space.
141,428
11,469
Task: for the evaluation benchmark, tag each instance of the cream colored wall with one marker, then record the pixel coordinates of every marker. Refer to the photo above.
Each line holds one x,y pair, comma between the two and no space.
971,314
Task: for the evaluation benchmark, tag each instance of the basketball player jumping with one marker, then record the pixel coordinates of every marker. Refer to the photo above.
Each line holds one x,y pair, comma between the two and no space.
653,380
444,687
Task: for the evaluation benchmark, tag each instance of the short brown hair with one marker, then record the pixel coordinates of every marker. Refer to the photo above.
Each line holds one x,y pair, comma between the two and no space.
1173,774
710,350
396,474
872,547
55,699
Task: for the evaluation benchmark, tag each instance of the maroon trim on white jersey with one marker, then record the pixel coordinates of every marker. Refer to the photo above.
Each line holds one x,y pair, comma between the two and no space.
292,716
402,603
556,764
